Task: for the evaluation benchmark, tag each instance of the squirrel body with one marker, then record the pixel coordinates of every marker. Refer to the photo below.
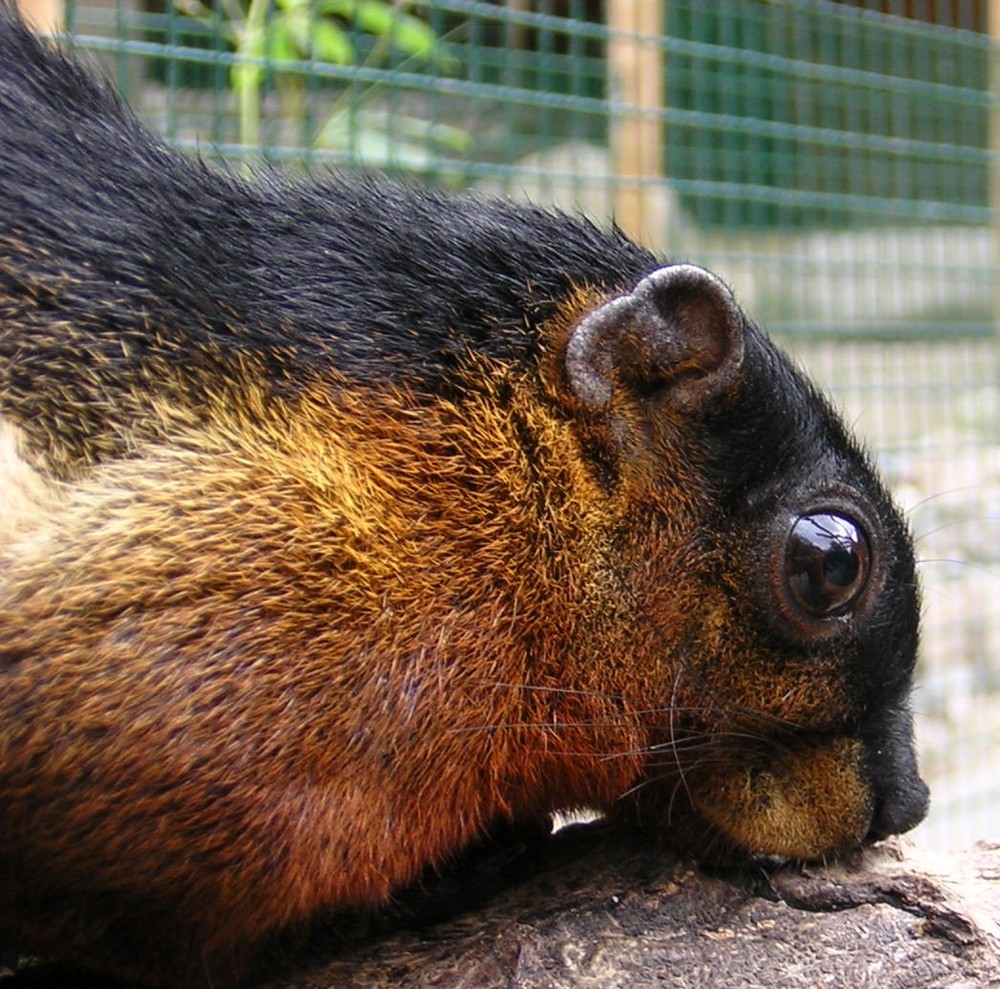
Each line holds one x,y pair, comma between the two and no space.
343,520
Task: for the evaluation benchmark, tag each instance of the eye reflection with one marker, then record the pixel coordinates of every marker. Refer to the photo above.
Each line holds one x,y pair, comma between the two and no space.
826,562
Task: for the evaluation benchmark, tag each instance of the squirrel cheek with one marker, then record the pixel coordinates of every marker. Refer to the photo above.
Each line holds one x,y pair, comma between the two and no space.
804,804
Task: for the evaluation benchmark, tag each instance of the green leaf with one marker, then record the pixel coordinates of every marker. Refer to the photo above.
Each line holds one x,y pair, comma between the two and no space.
284,43
414,37
331,44
382,19
382,140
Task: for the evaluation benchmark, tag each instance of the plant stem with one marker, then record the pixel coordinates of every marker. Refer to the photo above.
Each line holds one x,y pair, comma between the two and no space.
250,43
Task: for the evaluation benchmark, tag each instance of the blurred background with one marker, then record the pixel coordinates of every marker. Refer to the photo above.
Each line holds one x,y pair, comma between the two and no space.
837,162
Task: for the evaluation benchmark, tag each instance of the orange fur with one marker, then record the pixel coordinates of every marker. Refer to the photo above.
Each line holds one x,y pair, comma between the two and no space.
344,521
281,633
294,592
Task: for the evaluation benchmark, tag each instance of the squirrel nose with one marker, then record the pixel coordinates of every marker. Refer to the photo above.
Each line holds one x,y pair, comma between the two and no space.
900,811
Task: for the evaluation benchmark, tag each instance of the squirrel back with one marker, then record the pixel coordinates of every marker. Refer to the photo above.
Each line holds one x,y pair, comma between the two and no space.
344,519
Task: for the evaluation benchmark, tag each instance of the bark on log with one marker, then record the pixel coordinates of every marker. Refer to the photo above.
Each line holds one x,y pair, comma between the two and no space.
592,909
600,912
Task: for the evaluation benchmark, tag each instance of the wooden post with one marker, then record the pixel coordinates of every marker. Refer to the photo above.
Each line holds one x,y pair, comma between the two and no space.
636,85
45,16
516,31
993,16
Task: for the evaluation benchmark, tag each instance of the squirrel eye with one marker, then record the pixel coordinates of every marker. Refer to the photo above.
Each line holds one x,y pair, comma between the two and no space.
826,563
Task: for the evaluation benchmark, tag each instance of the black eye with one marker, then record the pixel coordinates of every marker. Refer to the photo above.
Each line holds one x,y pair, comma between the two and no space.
826,562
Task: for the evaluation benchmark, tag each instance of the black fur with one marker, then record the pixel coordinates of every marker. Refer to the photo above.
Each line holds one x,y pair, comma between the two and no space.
161,258
371,278
128,270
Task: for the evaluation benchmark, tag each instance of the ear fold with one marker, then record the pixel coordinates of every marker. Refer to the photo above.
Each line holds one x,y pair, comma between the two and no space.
679,331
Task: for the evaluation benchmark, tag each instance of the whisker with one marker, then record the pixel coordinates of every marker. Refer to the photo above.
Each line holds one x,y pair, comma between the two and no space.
639,785
538,688
675,790
602,695
763,718
955,522
696,744
682,741
941,494
721,745
963,563
771,721
599,723
520,725
674,747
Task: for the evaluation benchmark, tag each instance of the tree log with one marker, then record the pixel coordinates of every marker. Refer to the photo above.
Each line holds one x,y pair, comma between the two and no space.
592,908
602,911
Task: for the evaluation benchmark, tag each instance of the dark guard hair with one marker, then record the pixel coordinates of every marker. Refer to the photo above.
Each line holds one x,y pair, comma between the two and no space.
343,520
378,281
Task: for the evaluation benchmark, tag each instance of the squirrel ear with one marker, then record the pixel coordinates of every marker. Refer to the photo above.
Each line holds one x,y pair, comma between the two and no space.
678,331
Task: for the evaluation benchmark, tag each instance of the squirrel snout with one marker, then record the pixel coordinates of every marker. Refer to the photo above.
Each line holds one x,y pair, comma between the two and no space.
901,796
899,810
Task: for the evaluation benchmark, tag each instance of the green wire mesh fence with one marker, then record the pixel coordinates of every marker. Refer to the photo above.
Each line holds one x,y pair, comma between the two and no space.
836,162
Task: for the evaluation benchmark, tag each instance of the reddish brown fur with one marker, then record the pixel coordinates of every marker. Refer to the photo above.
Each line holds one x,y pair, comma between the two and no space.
343,521
290,588
230,634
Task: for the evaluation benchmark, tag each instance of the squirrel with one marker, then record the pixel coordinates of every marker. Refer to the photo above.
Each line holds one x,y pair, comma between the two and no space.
344,518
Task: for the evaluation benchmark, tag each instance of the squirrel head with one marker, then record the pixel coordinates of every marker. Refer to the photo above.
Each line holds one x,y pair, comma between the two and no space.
778,648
